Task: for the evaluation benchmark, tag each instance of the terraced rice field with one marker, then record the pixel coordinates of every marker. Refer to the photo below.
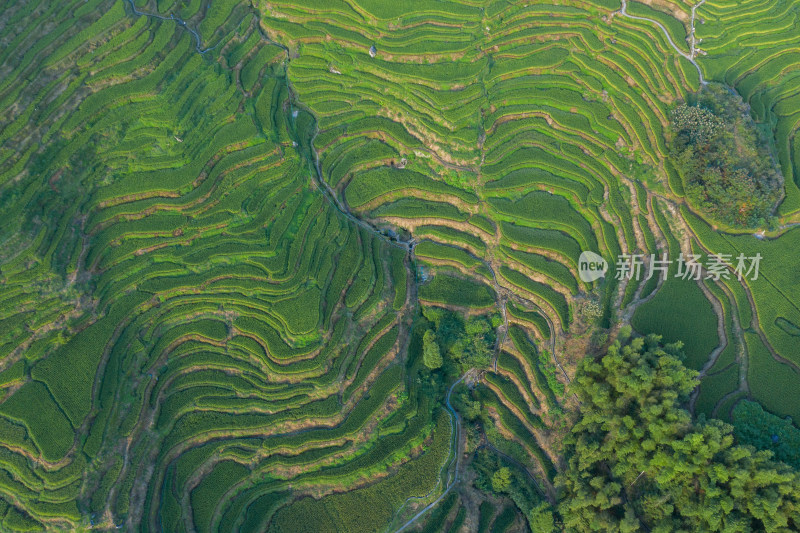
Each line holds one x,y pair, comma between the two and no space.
221,220
237,331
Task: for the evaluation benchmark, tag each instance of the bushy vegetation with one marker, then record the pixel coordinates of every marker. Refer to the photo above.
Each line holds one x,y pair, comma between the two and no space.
730,173
499,476
635,445
465,343
431,353
754,426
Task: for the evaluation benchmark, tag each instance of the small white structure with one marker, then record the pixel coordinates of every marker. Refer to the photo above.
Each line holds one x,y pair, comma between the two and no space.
373,51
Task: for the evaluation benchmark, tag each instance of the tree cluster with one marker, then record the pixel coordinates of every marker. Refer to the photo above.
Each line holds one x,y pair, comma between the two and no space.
728,169
636,461
467,343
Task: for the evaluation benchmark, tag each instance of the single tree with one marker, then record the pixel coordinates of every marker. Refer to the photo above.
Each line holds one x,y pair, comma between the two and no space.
541,518
501,480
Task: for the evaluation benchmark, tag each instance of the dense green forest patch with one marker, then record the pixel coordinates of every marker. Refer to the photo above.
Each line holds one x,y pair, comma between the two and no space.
634,445
728,168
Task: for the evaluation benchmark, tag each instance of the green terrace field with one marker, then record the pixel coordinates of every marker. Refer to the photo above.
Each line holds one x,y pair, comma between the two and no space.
222,219
182,310
548,120
455,102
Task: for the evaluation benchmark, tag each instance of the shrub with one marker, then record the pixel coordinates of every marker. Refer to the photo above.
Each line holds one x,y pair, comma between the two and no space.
430,351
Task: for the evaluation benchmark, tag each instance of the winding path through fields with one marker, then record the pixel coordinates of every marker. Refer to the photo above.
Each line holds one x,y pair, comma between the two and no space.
179,22
454,444
693,52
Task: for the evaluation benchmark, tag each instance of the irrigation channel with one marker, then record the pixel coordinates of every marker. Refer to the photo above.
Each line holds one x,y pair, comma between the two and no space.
408,245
